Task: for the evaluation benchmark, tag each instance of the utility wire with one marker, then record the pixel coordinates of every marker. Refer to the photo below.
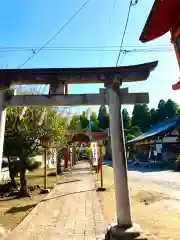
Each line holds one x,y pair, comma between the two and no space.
124,33
35,52
32,48
110,20
166,49
62,28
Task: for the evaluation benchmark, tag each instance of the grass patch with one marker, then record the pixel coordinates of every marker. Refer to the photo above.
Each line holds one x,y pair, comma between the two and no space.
13,211
156,212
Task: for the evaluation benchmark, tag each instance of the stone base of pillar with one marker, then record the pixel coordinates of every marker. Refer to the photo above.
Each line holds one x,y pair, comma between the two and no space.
115,232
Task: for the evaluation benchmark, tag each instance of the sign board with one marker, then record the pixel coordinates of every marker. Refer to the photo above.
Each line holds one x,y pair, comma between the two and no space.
94,148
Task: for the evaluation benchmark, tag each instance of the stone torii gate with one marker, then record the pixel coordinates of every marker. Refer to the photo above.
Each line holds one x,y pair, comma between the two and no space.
112,77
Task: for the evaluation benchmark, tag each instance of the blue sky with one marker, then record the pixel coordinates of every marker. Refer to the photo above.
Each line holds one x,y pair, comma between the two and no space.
32,23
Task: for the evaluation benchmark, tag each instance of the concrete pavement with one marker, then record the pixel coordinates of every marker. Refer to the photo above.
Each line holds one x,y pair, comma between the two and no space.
70,211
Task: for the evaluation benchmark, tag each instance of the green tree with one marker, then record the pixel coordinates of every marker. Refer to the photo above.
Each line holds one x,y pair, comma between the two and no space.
94,122
103,117
126,119
161,113
132,132
141,117
75,124
94,117
83,120
171,109
154,117
22,135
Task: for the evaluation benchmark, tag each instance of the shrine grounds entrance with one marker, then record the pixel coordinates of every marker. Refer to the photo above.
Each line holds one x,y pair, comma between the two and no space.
112,95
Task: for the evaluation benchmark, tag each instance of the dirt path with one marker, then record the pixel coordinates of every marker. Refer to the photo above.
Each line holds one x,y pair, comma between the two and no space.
155,198
166,182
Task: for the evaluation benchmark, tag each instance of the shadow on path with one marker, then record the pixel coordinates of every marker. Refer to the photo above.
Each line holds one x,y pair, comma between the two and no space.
145,169
138,168
68,182
67,194
20,209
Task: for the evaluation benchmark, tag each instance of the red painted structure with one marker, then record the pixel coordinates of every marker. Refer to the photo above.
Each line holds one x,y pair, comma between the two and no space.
85,137
164,17
82,138
66,158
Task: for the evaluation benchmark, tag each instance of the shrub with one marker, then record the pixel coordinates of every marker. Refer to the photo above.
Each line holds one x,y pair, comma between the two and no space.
178,159
32,164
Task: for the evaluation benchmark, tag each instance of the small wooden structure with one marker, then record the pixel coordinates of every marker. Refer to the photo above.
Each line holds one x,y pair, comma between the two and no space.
166,134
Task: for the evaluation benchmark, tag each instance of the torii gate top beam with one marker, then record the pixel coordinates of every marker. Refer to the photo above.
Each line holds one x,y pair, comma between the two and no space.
74,75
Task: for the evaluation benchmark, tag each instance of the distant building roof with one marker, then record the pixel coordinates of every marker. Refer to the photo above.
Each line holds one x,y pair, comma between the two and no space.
158,130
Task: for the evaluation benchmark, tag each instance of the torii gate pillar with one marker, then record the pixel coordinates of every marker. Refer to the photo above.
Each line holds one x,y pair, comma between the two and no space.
2,125
123,207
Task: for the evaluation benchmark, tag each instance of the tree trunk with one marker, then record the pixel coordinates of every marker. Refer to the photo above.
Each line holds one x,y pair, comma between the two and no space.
59,170
23,180
11,173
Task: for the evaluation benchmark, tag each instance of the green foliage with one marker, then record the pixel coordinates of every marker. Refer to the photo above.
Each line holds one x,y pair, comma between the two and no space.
103,117
171,109
23,135
141,117
89,153
75,124
26,131
166,110
126,119
15,165
83,120
178,159
80,123
154,117
161,114
32,164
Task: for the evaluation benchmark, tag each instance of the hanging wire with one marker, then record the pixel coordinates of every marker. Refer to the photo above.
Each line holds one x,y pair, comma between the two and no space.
125,28
53,37
106,34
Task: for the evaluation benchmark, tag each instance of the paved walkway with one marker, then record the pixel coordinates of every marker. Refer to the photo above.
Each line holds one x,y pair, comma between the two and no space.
70,211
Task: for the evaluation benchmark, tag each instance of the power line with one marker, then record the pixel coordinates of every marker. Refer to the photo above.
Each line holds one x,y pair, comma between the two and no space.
31,48
124,33
62,28
106,34
96,49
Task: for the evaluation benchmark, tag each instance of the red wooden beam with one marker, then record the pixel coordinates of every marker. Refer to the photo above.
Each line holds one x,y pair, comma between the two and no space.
176,86
85,137
162,18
